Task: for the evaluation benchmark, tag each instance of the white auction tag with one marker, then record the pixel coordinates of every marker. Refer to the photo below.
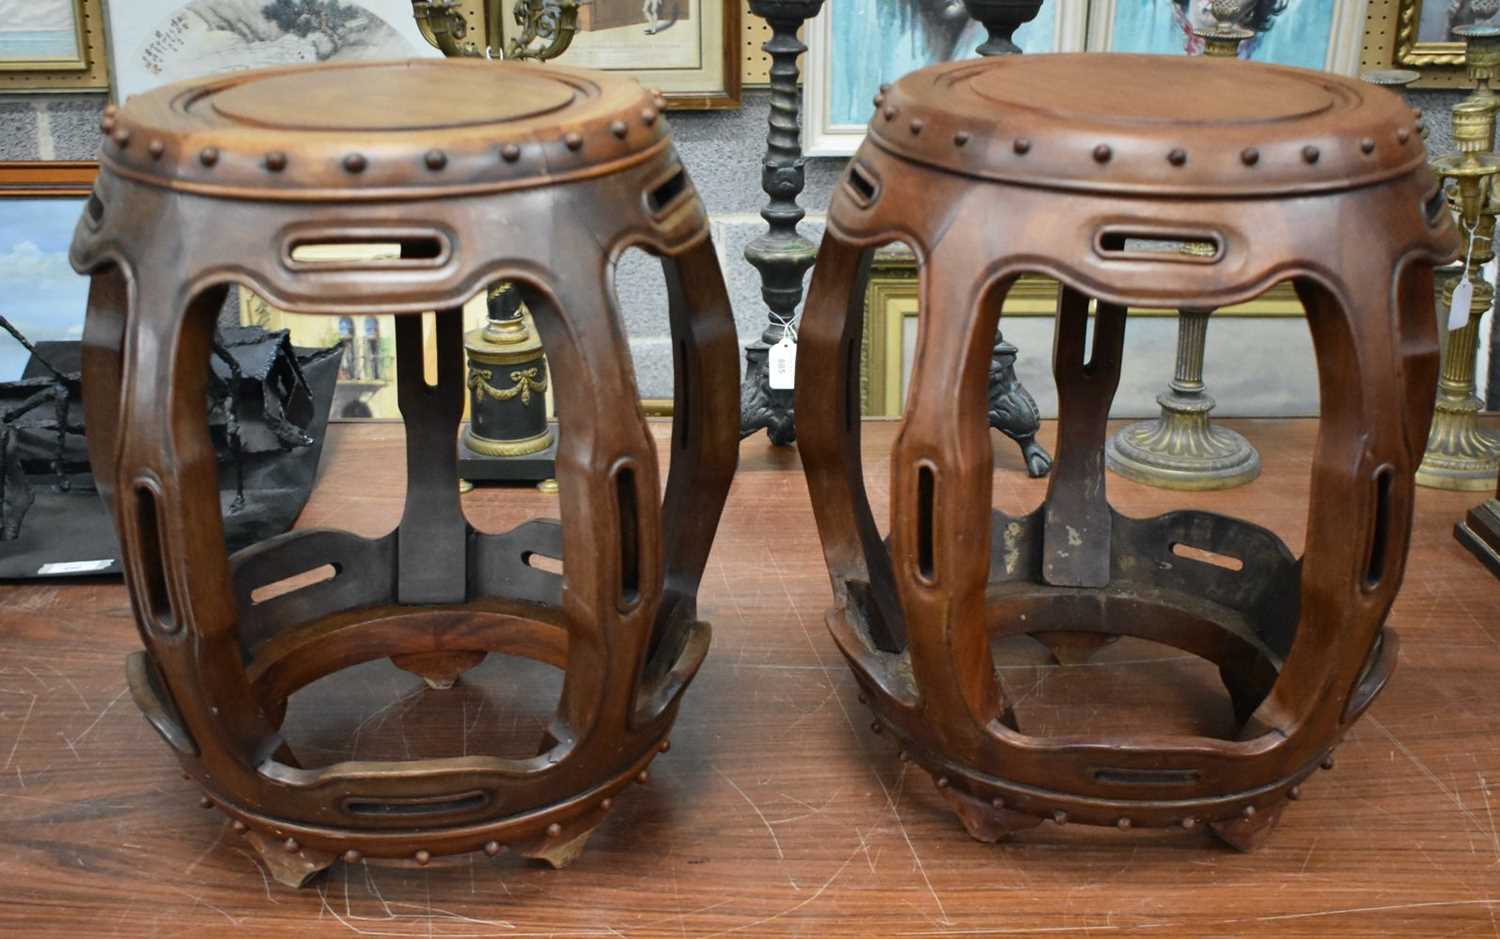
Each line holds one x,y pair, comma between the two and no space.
783,365
73,567
1458,312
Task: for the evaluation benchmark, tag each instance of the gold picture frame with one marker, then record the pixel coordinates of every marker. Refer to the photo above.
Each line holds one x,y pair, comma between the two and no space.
83,70
1393,39
892,296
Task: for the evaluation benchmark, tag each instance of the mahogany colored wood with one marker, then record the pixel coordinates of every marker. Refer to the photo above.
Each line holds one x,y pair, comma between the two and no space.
1072,166
481,172
777,812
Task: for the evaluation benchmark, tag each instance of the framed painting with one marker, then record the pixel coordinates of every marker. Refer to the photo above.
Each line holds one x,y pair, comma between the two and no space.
1316,34
689,50
1424,31
40,204
155,42
854,46
51,45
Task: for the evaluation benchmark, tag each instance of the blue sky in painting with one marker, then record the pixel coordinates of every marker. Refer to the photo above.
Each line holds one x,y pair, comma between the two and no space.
876,41
1298,35
39,292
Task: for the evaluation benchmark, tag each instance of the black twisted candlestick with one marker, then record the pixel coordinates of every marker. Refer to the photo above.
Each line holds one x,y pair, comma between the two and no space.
781,255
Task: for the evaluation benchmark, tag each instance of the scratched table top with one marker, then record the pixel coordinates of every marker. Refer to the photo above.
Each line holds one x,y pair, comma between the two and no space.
777,811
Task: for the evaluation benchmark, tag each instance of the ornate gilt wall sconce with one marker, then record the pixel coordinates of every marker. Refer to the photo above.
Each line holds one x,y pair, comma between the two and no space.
546,28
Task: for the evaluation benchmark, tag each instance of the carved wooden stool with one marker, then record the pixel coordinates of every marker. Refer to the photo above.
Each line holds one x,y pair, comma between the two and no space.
1133,180
480,171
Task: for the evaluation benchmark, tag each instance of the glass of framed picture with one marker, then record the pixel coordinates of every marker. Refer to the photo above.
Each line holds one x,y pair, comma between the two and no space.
1316,34
40,204
154,42
854,46
689,50
51,45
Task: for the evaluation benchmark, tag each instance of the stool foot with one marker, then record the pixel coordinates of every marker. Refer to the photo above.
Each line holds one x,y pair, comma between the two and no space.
982,820
1074,648
1247,834
289,863
440,670
560,851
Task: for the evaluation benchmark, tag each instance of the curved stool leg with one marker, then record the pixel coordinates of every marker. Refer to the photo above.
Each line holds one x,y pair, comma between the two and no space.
705,438
828,380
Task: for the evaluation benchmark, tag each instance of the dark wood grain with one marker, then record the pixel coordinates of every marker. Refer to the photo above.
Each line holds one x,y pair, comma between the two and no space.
580,161
1281,161
777,811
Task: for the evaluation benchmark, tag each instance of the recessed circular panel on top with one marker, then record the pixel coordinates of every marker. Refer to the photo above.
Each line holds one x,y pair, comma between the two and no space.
378,98
1116,90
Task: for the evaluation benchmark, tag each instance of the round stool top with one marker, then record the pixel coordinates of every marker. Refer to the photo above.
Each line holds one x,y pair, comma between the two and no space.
381,130
1153,125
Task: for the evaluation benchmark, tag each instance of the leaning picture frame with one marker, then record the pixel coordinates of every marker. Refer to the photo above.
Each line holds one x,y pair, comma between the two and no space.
52,46
40,294
1424,40
689,50
1327,35
854,46
155,42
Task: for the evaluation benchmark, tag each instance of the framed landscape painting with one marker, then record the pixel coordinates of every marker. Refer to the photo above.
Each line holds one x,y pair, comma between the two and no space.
40,204
1316,34
854,46
155,42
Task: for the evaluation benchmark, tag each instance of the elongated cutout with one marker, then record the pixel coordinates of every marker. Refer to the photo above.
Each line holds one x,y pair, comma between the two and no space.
629,527
851,386
1227,561
661,198
285,585
926,519
153,561
1375,568
436,805
1146,777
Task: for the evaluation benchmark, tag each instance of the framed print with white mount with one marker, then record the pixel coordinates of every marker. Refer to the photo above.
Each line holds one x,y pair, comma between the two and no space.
154,42
854,46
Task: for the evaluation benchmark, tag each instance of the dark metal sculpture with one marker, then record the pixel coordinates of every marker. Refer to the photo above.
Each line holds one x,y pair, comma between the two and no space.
781,255
316,156
1273,179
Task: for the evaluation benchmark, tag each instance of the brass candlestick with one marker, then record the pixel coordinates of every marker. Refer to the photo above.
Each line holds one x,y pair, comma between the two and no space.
1183,449
1460,455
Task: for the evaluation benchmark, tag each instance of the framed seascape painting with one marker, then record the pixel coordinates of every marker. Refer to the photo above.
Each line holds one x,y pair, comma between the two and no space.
854,46
42,34
52,45
1316,34
154,42
41,296
687,49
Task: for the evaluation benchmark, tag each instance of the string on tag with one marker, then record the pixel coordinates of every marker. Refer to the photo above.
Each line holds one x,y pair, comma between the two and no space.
781,360
1463,291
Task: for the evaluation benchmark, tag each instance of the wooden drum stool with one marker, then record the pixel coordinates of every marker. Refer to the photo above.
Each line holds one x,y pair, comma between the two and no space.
1154,182
481,172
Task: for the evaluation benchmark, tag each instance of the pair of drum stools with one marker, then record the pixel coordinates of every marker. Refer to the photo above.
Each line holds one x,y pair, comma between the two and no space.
1077,167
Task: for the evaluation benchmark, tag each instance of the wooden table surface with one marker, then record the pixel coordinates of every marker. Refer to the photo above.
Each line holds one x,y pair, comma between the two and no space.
777,811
